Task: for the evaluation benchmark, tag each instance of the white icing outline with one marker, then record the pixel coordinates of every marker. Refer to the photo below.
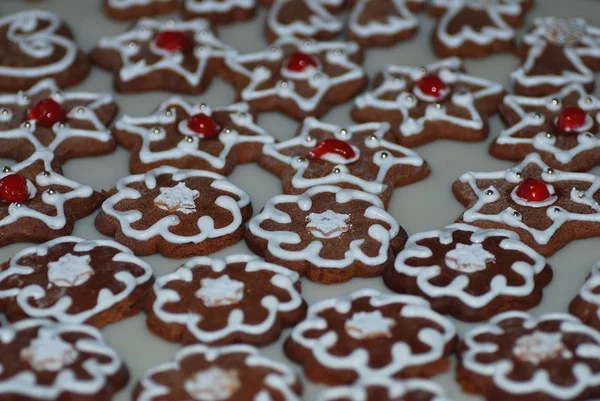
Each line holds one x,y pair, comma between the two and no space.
395,24
587,293
217,6
125,4
319,22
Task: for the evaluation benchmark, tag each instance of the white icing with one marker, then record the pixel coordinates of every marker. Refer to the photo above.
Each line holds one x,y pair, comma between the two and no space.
179,198
368,325
328,224
70,270
468,258
319,21
539,347
125,4
202,7
398,21
565,31
588,291
48,352
220,291
213,384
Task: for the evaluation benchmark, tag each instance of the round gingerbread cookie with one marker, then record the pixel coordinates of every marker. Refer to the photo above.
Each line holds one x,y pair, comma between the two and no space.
557,52
177,213
232,372
37,203
36,45
369,333
327,234
238,299
423,104
362,157
300,78
72,280
192,136
548,208
134,9
587,302
46,361
70,124
469,272
168,55
562,127
517,356
219,11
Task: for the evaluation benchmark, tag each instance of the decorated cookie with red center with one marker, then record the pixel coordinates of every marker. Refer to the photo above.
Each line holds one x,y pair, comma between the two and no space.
476,28
38,45
548,208
362,156
557,52
192,136
172,56
69,124
300,78
562,127
422,104
14,188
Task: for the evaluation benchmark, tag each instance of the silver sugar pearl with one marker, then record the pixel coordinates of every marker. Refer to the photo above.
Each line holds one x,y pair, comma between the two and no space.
337,52
422,70
62,125
588,100
6,169
438,106
58,95
550,170
203,33
168,113
200,48
5,112
309,138
80,110
337,170
489,192
51,191
202,106
519,174
589,135
516,214
397,80
373,137
283,84
301,159
132,45
581,194
242,115
46,173
555,101
409,98
548,135
18,204
227,130
170,22
556,210
317,76
343,131
384,155
189,139
27,125
537,115
156,131
272,49
25,98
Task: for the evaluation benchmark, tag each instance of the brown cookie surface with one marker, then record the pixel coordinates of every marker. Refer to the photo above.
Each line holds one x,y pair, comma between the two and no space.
376,388
587,302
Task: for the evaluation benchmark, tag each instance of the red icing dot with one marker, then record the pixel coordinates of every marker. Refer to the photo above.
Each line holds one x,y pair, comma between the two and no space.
571,118
298,61
533,190
47,112
13,188
334,146
203,125
431,85
173,41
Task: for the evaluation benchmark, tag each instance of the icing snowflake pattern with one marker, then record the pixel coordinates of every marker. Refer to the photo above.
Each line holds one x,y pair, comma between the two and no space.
177,199
327,224
539,347
213,384
364,325
220,291
468,258
70,270
49,352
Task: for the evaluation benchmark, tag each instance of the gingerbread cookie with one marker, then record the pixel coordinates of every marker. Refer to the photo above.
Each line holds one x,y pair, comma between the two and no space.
300,78
517,356
381,388
168,55
231,372
476,28
327,234
43,361
469,272
36,45
562,127
134,9
557,52
192,136
360,157
72,280
369,333
586,304
177,213
423,104
219,11
238,299
37,203
548,208
70,124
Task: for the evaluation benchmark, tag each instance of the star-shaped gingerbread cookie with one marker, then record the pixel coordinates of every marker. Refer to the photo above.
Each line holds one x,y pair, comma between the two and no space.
422,104
561,127
548,208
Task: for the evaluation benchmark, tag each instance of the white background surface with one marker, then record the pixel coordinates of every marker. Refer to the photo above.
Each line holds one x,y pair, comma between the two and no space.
422,206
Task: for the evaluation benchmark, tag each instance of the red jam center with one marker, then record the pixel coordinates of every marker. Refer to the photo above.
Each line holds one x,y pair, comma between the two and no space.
47,112
334,146
533,190
13,188
203,125
571,118
173,41
432,85
298,61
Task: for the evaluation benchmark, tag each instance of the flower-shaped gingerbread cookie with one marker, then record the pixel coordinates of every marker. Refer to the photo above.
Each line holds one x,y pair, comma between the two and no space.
36,45
586,304
42,360
70,124
562,127
517,356
369,333
327,234
240,298
134,9
72,280
476,28
155,55
177,213
548,208
469,272
423,104
192,136
381,388
360,157
37,203
300,78
558,52
198,372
